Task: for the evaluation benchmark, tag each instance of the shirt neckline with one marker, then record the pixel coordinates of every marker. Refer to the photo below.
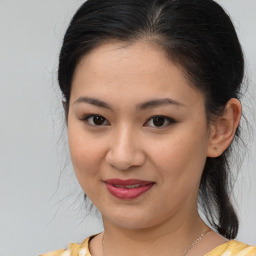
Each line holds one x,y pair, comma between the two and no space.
85,245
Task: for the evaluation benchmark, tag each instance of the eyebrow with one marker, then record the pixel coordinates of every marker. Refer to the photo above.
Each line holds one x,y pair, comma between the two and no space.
158,102
92,101
142,106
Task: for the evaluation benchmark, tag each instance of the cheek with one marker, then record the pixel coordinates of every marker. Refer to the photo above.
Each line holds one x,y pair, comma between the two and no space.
182,156
85,154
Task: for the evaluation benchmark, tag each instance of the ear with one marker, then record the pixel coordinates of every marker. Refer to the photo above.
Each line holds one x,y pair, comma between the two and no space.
223,130
65,106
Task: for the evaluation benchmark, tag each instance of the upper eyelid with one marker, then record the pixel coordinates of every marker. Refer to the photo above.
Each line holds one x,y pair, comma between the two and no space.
91,115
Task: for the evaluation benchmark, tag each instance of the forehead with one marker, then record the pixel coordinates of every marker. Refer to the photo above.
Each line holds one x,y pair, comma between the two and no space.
120,55
140,68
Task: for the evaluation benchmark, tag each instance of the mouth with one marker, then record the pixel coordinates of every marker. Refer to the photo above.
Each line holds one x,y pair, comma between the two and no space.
128,186
128,189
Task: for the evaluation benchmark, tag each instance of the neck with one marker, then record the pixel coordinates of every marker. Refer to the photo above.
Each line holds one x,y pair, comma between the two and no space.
174,235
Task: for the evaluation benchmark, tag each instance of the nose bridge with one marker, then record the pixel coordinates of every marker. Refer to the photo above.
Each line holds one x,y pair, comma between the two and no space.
124,141
124,149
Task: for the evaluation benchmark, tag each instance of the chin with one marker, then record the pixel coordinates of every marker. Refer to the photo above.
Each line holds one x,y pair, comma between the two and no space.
131,224
134,220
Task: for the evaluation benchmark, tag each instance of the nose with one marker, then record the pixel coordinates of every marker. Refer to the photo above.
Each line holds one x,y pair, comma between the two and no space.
125,150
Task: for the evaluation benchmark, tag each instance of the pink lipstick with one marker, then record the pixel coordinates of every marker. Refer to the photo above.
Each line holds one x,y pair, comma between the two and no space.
128,189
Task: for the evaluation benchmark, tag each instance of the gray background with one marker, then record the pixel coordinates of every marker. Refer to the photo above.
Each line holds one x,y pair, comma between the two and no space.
41,205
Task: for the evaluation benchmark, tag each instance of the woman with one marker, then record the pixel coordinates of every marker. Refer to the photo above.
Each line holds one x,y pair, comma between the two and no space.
151,98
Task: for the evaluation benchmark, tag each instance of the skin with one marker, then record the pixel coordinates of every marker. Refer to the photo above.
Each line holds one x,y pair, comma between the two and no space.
129,145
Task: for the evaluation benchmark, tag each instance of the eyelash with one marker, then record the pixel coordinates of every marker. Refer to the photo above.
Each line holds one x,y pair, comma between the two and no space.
167,120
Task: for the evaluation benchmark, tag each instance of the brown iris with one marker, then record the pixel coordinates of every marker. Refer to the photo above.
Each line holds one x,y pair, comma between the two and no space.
158,121
98,120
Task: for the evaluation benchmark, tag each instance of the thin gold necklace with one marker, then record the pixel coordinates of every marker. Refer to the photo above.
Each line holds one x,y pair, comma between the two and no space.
199,238
196,241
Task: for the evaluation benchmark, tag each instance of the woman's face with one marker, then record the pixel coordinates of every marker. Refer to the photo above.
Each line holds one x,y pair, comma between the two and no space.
138,135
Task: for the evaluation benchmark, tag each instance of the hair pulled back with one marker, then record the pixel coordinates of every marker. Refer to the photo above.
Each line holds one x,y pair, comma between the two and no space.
198,36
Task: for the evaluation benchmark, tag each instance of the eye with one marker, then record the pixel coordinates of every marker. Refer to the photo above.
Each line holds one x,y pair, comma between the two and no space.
95,120
159,121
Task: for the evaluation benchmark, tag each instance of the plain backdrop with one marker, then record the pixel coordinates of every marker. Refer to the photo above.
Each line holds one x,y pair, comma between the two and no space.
41,205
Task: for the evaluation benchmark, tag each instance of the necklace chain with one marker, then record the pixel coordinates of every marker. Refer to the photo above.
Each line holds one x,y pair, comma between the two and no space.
198,239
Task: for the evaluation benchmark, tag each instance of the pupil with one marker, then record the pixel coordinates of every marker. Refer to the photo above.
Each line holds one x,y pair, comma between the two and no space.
158,121
98,120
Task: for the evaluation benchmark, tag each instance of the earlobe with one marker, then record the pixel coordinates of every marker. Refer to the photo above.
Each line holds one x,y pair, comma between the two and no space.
223,130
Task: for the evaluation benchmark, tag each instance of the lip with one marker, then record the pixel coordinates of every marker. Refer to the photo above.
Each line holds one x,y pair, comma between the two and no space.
119,189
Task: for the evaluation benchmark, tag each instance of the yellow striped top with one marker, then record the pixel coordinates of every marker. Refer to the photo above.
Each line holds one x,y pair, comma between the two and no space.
230,248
